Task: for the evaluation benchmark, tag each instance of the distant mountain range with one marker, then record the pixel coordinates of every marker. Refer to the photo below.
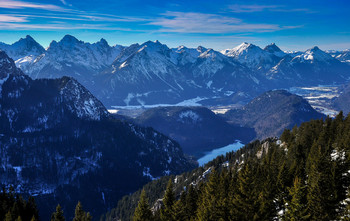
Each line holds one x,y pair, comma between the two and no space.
152,73
60,144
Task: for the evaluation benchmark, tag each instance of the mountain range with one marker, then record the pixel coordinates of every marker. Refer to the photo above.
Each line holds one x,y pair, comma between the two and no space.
60,144
153,73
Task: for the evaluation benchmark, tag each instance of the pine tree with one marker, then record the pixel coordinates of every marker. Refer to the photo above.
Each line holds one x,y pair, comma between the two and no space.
190,205
80,214
246,198
296,207
322,194
209,207
167,210
58,215
143,211
8,216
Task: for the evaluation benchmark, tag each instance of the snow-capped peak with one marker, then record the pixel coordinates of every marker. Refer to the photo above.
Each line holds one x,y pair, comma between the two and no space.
23,47
184,55
314,54
201,49
242,50
154,46
252,56
274,49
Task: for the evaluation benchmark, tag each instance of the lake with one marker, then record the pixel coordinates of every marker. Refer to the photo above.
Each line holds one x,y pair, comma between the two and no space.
219,151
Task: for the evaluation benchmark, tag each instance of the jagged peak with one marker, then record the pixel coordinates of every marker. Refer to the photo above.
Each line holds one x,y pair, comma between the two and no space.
314,49
103,41
272,48
69,39
28,42
29,38
153,45
201,49
315,53
156,42
245,46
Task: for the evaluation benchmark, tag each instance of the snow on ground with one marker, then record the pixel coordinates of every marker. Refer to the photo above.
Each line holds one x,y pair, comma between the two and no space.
189,102
319,97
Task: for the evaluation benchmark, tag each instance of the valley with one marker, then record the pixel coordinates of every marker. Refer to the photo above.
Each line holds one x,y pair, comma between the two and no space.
146,111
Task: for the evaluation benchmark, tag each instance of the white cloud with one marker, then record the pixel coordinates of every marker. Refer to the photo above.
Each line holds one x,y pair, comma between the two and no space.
183,22
65,3
14,4
251,8
10,18
258,8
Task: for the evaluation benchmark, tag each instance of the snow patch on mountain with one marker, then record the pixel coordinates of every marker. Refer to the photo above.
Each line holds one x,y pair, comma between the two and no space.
189,115
81,102
312,55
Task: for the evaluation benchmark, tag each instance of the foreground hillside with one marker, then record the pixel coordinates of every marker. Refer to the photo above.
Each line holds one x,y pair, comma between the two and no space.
302,176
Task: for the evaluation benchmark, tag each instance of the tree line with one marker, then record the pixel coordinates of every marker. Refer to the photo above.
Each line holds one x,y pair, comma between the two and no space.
13,207
302,176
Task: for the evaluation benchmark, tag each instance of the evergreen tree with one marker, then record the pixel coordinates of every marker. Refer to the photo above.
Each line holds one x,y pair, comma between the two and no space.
58,215
8,216
190,203
143,211
322,195
209,207
80,214
296,207
167,210
245,199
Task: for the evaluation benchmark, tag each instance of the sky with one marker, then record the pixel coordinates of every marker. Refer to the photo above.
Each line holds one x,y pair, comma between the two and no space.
220,24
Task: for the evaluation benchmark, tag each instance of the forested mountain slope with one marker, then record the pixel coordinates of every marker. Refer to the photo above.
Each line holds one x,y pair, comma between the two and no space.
302,176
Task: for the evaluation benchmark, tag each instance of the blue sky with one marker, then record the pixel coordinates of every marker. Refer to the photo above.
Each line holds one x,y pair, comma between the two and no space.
220,24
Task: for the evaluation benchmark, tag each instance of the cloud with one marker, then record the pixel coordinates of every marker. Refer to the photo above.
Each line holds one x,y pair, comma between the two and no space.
251,8
65,3
14,4
10,18
57,26
191,22
258,8
50,17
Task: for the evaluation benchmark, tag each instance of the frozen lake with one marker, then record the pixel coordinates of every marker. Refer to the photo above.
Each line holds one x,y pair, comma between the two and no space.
219,151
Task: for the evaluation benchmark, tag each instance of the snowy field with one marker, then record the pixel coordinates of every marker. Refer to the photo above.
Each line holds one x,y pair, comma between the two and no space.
319,97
